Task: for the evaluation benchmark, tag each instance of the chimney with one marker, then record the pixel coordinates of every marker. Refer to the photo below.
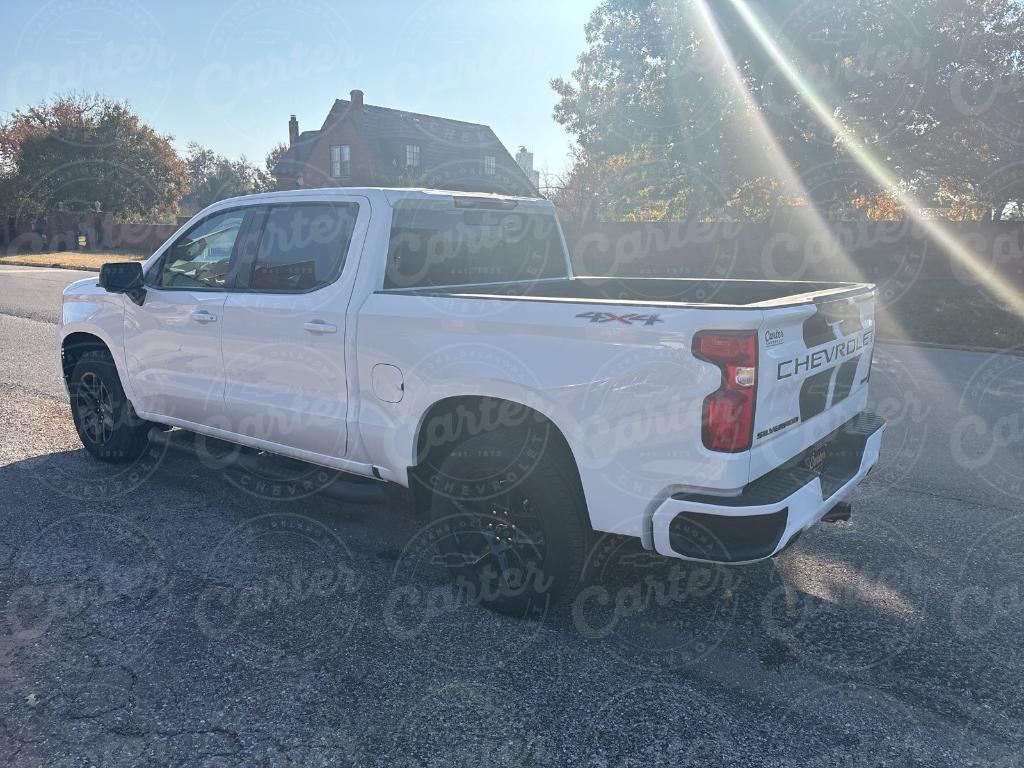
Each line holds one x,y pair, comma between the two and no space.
356,97
293,130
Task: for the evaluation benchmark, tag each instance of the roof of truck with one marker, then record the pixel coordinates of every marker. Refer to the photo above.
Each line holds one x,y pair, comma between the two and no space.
389,195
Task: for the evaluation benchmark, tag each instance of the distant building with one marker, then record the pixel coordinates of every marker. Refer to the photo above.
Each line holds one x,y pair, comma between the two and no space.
361,145
525,161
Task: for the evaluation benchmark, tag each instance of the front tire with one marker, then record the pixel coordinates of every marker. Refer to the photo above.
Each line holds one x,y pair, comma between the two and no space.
105,421
514,543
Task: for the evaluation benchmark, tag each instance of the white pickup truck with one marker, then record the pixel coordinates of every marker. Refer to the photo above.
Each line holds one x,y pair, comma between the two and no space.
439,340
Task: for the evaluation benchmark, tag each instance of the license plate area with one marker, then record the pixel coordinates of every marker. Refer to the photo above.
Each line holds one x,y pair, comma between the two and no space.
816,458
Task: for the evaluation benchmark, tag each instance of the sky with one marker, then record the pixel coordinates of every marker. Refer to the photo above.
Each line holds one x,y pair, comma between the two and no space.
228,75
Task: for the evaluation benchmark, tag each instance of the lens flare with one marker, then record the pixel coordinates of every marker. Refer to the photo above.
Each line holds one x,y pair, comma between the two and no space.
776,155
876,169
808,215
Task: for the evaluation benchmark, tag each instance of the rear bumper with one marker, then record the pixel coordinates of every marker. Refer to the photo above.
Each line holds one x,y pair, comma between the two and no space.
771,511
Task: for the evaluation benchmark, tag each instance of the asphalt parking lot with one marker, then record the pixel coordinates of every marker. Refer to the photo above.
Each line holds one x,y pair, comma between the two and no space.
184,613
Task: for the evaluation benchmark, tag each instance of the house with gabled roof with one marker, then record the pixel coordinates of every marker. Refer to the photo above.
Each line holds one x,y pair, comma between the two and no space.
362,145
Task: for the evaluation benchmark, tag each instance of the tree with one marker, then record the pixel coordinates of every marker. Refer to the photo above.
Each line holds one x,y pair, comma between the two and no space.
79,149
971,144
648,91
213,177
934,89
267,181
649,183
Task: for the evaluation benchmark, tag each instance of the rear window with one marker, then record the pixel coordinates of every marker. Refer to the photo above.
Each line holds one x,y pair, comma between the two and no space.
303,246
435,245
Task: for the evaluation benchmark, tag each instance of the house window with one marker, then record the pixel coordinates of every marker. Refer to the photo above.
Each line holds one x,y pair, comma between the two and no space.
341,161
489,164
412,155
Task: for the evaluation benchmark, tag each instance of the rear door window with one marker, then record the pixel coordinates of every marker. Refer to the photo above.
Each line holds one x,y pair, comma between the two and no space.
302,247
435,245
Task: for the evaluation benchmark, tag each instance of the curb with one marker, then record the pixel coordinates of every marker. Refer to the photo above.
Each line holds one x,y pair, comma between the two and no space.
48,266
51,265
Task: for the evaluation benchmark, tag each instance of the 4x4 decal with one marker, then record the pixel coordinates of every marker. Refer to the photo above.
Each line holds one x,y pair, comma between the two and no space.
627,319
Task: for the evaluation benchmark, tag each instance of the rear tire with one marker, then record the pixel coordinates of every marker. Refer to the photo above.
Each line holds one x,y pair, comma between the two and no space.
105,421
514,544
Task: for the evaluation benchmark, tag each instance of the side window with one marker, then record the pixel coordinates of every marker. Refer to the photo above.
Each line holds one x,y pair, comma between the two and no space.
433,246
303,246
200,258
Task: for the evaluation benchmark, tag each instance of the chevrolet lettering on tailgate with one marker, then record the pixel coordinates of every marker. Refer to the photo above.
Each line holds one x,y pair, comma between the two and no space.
839,351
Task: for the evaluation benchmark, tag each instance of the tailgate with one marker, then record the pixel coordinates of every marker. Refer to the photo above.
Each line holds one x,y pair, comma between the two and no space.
814,362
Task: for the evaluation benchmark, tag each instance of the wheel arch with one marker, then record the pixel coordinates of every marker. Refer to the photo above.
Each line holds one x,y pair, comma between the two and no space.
76,344
450,404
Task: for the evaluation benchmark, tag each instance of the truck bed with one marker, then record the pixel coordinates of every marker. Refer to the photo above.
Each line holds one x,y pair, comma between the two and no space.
654,291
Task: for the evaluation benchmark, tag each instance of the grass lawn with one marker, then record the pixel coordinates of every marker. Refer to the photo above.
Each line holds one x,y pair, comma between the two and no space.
71,259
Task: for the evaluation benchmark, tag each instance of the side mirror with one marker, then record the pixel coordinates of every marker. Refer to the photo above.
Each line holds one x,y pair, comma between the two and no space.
124,277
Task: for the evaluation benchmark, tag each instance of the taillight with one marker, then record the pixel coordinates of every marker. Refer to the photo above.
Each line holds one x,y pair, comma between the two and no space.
728,419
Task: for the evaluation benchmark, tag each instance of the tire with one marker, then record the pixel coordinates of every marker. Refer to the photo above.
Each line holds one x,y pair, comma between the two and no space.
105,421
517,546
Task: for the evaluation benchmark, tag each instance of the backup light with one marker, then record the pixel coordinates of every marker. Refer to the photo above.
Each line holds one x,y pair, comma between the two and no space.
746,376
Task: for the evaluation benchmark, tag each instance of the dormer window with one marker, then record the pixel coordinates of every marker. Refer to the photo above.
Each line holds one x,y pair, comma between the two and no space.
341,161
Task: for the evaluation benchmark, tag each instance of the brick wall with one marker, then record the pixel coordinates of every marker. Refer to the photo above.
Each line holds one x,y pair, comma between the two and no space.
100,231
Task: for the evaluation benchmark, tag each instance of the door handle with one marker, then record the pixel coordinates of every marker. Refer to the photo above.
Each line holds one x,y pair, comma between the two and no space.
202,316
319,326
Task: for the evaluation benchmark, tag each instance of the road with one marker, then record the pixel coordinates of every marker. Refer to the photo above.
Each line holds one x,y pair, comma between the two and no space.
185,614
34,292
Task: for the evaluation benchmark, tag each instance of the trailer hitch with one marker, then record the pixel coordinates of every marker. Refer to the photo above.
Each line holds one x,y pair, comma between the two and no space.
840,513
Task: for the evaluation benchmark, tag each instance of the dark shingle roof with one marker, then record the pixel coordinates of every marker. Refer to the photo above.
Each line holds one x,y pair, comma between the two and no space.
294,158
449,140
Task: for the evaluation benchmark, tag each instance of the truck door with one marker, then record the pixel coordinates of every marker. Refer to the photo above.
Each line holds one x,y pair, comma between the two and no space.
173,341
284,327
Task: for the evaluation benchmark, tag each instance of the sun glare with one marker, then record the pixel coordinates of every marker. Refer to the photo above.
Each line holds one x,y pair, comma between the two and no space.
788,65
